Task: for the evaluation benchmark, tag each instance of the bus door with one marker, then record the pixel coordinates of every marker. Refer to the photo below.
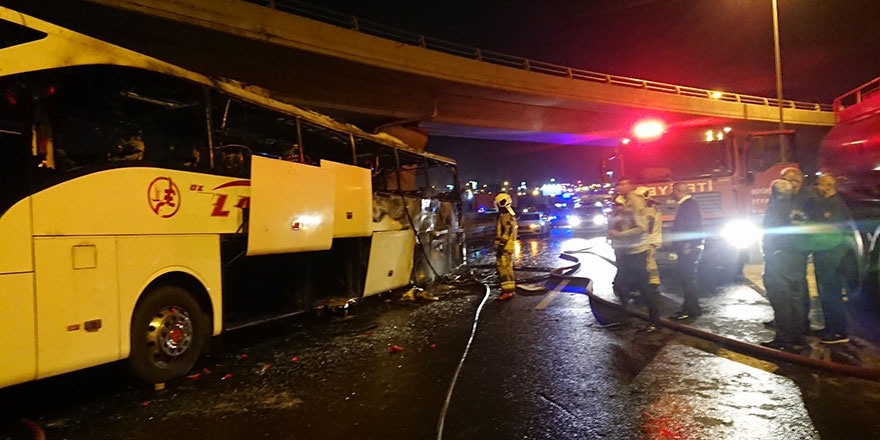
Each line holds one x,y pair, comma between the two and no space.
17,340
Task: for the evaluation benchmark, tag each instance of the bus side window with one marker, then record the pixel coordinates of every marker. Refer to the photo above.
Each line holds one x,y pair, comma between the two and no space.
242,129
380,160
323,143
442,179
233,159
413,172
91,115
16,159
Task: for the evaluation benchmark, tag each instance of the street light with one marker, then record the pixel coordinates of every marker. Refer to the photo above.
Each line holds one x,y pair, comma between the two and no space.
783,145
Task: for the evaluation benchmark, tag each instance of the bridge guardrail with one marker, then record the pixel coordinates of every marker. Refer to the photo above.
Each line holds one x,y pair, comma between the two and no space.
856,95
380,30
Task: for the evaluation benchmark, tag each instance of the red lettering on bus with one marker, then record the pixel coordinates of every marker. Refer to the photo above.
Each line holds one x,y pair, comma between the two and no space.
218,206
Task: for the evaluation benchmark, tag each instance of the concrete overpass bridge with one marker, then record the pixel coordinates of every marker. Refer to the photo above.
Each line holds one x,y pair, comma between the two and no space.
386,78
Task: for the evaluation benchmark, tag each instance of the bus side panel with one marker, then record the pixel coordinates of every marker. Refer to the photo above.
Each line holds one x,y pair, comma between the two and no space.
18,357
145,258
15,239
77,303
391,261
354,200
140,200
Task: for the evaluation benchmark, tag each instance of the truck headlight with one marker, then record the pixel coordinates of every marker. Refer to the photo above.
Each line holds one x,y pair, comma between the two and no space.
740,233
574,220
599,220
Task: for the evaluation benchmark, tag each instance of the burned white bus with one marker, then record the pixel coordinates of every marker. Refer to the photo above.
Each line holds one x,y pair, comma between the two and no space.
146,208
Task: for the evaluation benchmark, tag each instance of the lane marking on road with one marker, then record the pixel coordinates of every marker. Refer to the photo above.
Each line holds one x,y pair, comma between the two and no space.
552,295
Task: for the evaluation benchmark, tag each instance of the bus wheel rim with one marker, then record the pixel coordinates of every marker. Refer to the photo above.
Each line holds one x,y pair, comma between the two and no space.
169,334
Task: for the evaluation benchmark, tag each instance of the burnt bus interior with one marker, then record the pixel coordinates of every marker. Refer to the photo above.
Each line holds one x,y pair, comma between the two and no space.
58,124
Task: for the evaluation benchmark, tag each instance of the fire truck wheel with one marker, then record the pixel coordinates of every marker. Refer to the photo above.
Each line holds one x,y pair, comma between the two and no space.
168,332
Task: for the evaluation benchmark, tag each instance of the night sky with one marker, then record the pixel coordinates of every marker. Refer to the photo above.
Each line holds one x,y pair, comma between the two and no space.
828,48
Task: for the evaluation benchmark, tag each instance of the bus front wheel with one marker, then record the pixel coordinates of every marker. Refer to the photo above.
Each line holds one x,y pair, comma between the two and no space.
168,332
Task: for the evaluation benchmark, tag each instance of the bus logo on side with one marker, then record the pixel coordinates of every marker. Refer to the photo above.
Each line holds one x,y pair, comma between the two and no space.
221,205
163,197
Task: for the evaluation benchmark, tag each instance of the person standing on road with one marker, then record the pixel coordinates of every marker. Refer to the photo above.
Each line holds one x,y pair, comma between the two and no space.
830,247
621,220
687,231
802,199
655,239
629,237
505,242
784,268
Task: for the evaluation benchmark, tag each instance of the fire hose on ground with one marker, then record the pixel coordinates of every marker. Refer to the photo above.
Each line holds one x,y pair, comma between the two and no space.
598,304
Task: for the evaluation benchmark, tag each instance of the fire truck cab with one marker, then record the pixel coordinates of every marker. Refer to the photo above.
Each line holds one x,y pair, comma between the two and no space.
729,174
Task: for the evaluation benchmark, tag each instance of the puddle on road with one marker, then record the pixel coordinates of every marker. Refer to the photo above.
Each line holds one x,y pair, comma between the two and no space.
693,395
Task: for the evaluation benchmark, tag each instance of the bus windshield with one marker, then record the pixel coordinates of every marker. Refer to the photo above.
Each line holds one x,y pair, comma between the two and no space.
676,158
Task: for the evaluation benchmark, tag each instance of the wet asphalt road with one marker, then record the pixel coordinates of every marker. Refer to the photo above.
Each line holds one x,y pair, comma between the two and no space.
540,367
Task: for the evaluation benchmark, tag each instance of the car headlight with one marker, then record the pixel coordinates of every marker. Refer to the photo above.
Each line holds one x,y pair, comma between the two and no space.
599,220
574,220
533,226
740,233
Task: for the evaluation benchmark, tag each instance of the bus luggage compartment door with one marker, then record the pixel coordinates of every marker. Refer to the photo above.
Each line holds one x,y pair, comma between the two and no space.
391,261
77,303
354,200
18,344
291,207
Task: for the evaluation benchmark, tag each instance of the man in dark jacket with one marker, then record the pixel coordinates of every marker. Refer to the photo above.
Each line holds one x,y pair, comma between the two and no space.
785,263
687,240
801,200
831,243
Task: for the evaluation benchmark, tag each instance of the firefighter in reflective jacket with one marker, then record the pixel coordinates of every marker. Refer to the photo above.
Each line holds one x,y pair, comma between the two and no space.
505,240
655,238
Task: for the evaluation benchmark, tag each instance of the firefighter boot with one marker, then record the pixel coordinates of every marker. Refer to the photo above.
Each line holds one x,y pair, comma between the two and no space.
410,295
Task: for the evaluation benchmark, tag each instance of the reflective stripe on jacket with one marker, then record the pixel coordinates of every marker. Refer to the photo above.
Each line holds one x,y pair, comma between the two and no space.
505,232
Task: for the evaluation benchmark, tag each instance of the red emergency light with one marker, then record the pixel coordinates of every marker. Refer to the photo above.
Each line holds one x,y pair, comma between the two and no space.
648,130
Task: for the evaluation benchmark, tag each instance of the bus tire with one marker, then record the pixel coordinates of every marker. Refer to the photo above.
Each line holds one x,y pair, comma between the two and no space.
168,332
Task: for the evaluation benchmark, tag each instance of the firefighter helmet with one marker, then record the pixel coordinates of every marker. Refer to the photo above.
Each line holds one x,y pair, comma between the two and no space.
503,200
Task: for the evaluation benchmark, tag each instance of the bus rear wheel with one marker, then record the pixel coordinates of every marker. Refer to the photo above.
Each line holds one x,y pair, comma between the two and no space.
168,332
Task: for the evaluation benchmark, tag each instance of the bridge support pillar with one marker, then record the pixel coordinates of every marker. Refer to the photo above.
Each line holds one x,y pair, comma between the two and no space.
414,137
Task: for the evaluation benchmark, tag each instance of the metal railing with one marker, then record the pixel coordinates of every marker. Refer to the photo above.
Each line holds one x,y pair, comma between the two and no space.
380,30
856,95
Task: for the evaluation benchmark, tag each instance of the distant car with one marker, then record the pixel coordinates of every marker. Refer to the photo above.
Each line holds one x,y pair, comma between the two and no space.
533,223
589,218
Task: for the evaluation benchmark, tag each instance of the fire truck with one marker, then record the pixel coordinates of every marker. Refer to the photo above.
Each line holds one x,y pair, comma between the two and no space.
729,173
851,152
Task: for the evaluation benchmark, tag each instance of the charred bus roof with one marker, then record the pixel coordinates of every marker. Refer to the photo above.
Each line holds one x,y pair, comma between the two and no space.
39,45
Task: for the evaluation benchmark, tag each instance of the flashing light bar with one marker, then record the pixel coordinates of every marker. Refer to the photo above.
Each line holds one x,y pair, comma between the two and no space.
646,130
